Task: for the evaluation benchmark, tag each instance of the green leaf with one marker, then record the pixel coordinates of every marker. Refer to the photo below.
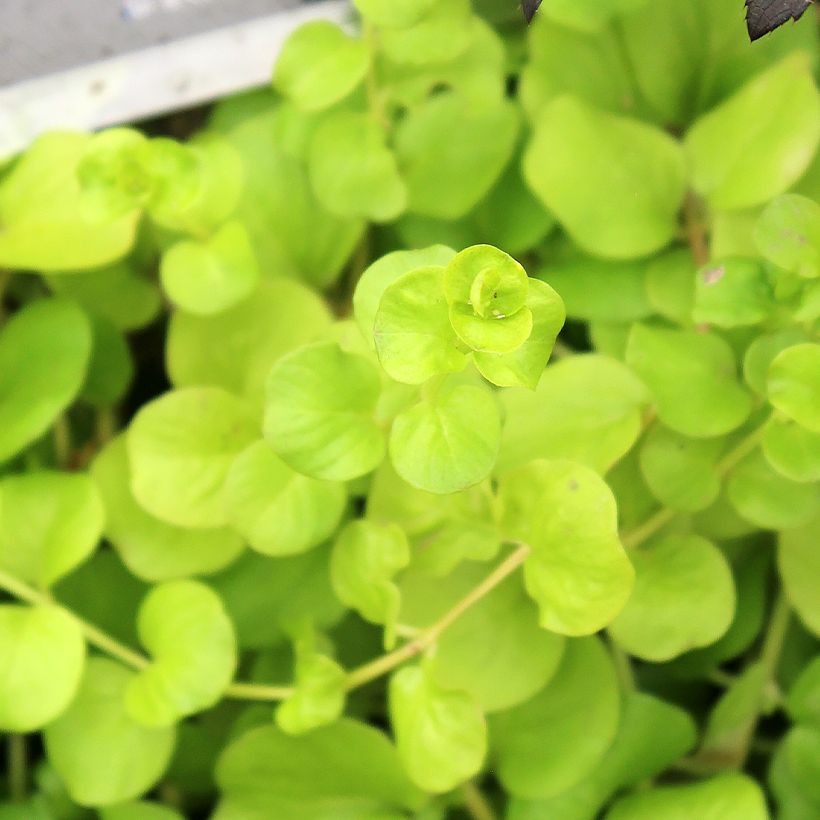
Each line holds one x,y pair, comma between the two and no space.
414,338
142,810
578,572
319,412
798,561
101,754
589,15
319,65
193,648
352,171
340,772
393,13
762,352
277,510
802,748
448,442
206,277
788,234
792,803
691,376
441,735
44,654
768,499
680,471
556,739
44,352
662,618
652,734
757,144
792,450
151,548
236,349
794,384
496,650
110,368
586,408
42,224
670,285
452,152
439,36
614,184
523,367
383,272
725,797
180,447
732,292
803,700
319,695
366,556
50,523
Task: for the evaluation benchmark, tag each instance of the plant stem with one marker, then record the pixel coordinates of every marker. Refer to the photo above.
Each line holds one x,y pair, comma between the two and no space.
18,767
477,805
386,663
695,229
658,520
257,691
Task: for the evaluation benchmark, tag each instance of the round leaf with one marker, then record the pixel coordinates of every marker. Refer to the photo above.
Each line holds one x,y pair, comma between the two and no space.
180,447
732,292
798,560
794,384
792,450
319,413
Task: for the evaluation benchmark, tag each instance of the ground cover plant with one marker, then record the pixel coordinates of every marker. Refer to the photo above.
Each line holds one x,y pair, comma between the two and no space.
433,435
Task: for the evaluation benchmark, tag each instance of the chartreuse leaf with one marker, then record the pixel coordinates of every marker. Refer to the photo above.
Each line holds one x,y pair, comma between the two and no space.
366,556
725,797
555,740
498,674
352,170
756,144
236,349
788,234
151,548
487,291
193,648
788,793
280,511
110,368
383,272
441,735
206,277
42,223
180,448
691,376
621,200
733,292
452,151
319,694
523,367
319,65
139,810
101,754
439,36
762,352
794,384
344,771
652,734
447,442
670,285
799,563
803,700
662,618
578,572
50,523
802,749
767,498
586,408
44,352
319,412
44,654
589,15
393,13
680,471
412,330
792,450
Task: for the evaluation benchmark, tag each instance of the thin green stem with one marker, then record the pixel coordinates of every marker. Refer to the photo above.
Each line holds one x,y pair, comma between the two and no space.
476,803
695,229
18,767
386,663
258,691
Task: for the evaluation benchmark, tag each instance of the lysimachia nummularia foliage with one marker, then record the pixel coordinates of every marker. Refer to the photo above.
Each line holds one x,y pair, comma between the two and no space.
434,434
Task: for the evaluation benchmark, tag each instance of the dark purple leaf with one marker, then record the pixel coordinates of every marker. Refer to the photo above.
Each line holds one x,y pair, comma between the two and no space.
763,16
529,7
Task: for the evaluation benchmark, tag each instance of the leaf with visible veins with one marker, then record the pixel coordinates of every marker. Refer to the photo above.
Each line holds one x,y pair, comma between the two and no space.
764,16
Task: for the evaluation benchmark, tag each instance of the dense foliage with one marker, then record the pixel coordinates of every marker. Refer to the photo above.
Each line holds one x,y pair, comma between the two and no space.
366,555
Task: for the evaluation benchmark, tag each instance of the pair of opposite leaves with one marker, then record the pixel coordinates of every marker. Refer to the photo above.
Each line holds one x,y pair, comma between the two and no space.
762,16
